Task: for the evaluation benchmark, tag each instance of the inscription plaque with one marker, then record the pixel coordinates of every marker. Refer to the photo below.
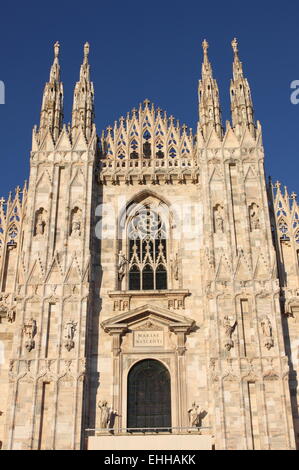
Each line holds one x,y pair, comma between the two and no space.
148,338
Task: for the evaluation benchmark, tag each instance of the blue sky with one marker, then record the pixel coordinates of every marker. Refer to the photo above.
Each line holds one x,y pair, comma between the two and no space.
149,50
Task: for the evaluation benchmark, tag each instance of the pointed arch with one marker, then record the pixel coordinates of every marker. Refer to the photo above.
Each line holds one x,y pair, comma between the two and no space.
134,149
121,154
12,232
159,148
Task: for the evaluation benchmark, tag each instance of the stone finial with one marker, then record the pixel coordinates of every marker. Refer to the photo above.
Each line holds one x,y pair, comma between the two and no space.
56,49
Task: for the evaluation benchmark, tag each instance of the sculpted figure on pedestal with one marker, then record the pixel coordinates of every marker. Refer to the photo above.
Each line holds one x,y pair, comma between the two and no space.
105,414
229,327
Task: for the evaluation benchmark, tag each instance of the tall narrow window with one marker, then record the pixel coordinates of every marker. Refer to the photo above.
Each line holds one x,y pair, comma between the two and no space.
147,251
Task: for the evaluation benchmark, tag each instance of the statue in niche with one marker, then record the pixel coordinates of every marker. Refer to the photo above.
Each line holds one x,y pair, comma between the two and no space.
229,325
218,218
40,222
29,330
11,315
254,217
105,414
70,329
121,268
195,416
76,220
267,332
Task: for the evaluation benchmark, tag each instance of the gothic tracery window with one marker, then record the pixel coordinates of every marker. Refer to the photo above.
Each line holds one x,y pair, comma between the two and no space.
147,251
146,144
283,228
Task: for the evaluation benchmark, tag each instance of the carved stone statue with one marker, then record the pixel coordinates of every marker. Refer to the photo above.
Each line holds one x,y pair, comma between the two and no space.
254,217
76,221
218,219
121,265
40,223
195,414
29,330
105,414
11,315
229,324
267,332
70,329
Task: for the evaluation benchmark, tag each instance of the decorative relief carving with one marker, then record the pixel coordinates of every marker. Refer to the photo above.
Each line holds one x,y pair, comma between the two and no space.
121,304
149,326
52,368
176,303
175,298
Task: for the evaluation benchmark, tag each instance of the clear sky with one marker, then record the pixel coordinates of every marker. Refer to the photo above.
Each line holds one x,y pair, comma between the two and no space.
149,50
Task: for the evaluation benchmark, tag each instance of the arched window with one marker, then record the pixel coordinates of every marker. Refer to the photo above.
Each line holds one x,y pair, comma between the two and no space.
147,249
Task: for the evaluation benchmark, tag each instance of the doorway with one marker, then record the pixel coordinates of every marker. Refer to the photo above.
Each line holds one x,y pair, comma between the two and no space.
149,397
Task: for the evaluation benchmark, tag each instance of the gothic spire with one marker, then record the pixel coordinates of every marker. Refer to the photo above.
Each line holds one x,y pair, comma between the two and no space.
241,102
83,104
208,94
52,105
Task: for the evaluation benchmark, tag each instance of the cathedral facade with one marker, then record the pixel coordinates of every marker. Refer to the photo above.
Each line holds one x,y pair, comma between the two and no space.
149,281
